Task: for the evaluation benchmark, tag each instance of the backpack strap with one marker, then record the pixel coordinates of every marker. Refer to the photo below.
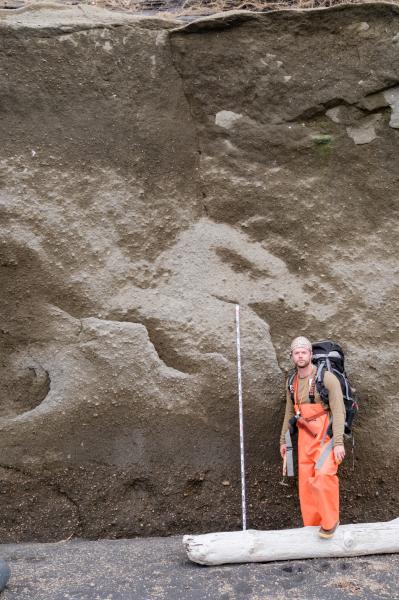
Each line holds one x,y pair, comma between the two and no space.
319,381
291,388
312,390
290,385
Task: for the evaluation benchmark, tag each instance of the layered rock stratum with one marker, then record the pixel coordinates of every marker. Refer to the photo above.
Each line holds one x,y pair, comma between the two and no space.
152,175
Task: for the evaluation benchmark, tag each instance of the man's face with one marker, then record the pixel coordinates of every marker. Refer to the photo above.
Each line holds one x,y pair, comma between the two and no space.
301,357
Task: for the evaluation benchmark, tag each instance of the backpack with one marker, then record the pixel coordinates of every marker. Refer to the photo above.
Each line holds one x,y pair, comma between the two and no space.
329,356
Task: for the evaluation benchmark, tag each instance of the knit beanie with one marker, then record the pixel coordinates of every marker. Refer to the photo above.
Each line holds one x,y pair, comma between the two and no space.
301,342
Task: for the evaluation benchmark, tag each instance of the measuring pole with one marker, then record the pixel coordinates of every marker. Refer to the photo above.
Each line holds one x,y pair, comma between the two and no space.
241,414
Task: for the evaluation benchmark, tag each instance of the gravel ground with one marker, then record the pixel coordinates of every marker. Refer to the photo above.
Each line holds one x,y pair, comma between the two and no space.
157,568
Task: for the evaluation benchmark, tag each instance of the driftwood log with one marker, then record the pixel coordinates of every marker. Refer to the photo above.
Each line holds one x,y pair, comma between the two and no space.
287,544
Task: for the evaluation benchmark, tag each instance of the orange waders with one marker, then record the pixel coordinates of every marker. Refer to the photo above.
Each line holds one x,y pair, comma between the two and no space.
318,487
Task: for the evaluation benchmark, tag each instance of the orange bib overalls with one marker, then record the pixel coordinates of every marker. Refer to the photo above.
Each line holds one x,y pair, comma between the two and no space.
318,488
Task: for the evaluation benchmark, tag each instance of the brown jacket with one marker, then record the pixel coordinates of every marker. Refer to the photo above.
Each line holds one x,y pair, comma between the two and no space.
335,406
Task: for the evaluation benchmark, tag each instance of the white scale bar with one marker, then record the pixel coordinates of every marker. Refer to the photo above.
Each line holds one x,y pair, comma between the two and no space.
241,415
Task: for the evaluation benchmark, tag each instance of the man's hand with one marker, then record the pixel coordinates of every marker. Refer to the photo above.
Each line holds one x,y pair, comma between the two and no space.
339,454
283,450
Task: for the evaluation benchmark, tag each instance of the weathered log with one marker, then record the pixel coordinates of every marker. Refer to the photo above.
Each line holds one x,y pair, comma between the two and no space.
287,544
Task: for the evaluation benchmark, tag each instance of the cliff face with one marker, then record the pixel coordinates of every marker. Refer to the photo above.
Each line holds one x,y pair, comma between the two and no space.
151,176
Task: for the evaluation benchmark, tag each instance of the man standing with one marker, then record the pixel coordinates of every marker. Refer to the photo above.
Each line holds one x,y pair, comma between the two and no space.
318,455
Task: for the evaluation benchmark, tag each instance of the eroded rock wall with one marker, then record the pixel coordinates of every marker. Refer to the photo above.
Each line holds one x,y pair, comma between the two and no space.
152,175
